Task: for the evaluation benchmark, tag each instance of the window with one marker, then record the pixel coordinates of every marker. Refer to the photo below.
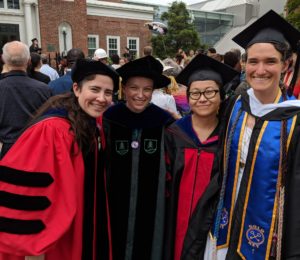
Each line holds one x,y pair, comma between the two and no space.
93,44
13,4
9,32
113,45
133,44
1,3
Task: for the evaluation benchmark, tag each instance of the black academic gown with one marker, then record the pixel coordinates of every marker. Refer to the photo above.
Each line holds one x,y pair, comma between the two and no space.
135,180
195,240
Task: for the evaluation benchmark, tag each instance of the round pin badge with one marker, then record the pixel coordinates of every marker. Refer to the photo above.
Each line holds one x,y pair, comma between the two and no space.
134,144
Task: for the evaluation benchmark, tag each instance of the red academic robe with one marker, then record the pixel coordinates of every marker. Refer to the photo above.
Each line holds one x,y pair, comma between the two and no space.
191,165
42,188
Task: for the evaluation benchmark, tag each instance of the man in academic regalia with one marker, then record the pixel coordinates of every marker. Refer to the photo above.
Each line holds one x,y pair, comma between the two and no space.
257,215
34,47
135,164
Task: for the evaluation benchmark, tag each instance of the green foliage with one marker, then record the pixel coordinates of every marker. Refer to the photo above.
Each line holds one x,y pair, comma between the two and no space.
181,32
293,10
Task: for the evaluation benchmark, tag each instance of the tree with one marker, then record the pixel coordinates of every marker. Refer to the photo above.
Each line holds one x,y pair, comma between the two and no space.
181,32
293,12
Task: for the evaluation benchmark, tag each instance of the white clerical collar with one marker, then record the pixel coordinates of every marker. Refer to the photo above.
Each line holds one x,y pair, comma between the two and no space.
258,109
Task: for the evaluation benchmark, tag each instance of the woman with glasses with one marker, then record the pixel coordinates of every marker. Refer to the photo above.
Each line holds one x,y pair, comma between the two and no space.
257,215
191,148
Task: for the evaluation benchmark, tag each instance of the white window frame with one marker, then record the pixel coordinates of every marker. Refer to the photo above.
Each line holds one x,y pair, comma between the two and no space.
108,37
137,45
12,9
96,37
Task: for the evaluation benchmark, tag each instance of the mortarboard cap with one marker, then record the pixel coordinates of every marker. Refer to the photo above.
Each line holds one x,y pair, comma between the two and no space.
270,28
34,39
147,67
85,67
202,68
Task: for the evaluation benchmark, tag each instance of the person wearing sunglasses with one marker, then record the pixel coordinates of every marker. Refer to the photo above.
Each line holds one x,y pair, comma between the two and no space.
191,148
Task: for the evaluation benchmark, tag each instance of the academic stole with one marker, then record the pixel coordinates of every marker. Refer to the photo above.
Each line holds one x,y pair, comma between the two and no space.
260,206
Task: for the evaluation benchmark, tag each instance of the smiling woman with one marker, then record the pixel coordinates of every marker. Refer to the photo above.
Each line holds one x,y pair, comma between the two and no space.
257,214
191,148
135,166
49,184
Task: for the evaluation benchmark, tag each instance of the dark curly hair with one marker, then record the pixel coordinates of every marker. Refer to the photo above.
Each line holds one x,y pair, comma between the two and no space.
82,124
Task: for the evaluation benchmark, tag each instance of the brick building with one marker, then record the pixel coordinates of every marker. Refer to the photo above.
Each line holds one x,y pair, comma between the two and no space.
87,24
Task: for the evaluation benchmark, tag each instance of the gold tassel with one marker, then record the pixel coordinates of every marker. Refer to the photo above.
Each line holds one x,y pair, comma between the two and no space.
214,248
120,92
280,222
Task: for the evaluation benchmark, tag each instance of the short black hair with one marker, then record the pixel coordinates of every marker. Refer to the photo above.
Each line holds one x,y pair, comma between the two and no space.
115,59
231,58
212,50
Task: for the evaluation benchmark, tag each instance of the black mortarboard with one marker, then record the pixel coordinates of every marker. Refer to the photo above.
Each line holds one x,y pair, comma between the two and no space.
34,39
147,67
270,28
203,67
85,67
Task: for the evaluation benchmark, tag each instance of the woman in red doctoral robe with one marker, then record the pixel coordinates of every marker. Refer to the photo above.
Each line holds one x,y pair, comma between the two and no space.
48,181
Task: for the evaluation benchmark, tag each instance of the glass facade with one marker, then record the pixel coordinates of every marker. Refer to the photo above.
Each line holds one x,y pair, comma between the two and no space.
211,26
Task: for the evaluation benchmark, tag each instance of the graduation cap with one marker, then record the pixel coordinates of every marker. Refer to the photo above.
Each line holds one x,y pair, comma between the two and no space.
85,67
147,67
203,67
271,28
34,39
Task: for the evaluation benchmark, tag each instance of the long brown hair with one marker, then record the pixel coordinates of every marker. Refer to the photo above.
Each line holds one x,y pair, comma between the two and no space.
83,126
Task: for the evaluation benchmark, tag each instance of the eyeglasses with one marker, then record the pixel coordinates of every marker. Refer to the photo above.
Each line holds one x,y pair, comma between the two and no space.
208,94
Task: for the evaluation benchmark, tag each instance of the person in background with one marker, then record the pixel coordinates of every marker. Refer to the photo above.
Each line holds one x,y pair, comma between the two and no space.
127,55
101,55
178,91
148,50
257,214
64,84
191,145
115,61
33,69
135,164
47,70
53,186
34,47
162,97
231,59
20,95
211,51
62,66
122,61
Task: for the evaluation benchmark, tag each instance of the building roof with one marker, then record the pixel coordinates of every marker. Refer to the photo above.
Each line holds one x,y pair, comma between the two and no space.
225,44
215,5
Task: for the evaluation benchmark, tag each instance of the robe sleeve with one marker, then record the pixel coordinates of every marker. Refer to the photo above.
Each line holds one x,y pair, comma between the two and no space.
291,223
40,186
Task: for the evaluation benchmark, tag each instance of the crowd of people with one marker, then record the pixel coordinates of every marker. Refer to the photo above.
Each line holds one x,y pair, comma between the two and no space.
191,157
